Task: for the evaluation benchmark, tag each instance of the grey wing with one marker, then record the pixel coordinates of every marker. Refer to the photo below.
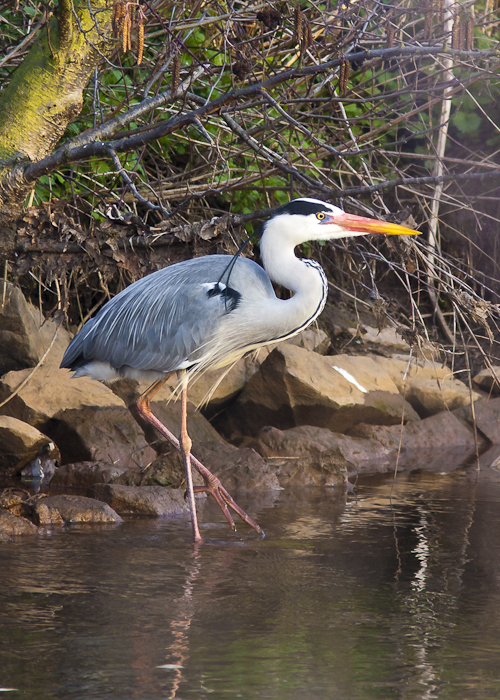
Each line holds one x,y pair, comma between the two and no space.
169,319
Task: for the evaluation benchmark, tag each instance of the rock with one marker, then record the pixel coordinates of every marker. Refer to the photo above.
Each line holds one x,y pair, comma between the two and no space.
428,387
14,525
318,468
166,470
73,509
83,417
312,339
42,468
24,334
297,387
20,341
147,500
50,391
239,469
62,339
169,413
386,338
20,443
430,444
489,380
362,370
356,455
431,396
405,369
487,416
85,474
442,430
102,435
12,499
490,459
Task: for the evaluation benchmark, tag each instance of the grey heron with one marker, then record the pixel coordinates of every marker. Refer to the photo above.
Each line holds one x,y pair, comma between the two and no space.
208,312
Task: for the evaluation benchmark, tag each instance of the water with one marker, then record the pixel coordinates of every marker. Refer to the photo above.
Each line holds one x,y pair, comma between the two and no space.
369,596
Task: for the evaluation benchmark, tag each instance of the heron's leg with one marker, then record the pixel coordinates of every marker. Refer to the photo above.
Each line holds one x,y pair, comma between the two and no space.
212,483
185,445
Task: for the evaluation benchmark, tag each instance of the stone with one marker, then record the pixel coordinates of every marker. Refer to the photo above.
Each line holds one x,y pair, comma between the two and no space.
404,369
487,417
58,344
86,474
146,500
431,396
387,337
73,509
313,339
364,371
25,334
13,525
19,444
82,416
169,413
357,455
429,387
488,379
318,468
297,387
166,470
11,499
442,430
239,469
49,391
20,341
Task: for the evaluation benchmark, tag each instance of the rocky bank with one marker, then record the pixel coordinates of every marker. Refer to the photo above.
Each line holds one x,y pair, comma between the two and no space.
290,415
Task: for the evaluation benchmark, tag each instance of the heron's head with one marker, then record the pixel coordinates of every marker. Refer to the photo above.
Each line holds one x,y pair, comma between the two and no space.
308,219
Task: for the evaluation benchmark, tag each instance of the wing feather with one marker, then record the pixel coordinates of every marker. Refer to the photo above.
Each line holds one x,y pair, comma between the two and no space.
168,318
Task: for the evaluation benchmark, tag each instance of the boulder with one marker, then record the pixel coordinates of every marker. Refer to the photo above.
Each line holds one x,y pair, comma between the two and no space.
59,344
82,416
24,333
145,500
239,469
14,525
86,474
487,417
166,470
12,500
297,387
387,338
299,444
169,413
73,509
442,430
19,444
428,386
20,341
488,380
318,468
312,339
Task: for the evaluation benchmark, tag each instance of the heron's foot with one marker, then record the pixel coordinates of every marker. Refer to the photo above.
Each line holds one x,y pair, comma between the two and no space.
225,500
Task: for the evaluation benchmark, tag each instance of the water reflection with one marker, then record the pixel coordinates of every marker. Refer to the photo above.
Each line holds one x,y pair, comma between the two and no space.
390,593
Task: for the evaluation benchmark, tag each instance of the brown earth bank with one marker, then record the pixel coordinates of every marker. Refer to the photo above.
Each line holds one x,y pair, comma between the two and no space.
296,414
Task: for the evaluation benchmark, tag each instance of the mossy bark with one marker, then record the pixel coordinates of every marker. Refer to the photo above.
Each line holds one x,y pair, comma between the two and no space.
45,92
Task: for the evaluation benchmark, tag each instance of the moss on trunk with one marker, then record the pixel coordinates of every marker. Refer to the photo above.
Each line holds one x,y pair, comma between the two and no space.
45,92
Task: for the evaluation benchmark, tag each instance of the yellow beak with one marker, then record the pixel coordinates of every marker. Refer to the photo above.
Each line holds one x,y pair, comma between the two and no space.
351,222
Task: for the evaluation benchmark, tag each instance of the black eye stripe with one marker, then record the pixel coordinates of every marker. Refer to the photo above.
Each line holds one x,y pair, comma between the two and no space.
298,206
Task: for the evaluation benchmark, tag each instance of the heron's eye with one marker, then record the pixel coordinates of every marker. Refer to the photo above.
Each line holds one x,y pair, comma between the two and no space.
320,216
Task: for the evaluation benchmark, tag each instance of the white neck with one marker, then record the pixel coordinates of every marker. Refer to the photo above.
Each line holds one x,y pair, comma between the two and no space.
304,278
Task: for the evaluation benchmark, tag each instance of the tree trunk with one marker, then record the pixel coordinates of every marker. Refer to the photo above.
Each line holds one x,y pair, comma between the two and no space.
45,92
